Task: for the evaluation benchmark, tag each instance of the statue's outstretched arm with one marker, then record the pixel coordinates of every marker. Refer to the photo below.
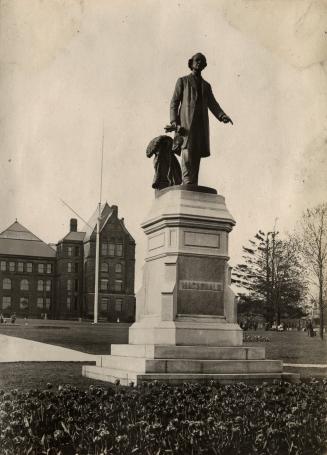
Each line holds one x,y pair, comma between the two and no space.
214,106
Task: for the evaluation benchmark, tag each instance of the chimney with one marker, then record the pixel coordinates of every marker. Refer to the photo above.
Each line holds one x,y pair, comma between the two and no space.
73,225
114,209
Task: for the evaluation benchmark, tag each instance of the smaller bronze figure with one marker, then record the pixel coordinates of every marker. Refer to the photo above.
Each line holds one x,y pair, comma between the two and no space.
166,166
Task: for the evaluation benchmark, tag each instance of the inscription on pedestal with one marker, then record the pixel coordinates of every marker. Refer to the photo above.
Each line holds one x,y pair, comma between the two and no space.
200,239
186,285
200,287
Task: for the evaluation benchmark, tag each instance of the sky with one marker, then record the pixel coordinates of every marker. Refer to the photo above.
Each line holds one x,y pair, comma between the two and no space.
72,68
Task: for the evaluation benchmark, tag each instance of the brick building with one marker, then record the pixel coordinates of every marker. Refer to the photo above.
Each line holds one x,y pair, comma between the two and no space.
27,273
61,279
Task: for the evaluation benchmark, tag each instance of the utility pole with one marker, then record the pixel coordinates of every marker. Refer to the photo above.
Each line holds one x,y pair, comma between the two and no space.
97,257
97,242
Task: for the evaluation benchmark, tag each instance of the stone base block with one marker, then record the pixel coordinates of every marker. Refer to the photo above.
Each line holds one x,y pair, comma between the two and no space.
188,352
126,378
174,364
142,365
186,332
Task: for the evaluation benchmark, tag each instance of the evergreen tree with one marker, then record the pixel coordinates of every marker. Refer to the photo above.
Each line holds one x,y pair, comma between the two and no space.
271,276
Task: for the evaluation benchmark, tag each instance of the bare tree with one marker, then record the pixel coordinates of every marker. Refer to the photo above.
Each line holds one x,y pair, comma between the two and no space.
312,241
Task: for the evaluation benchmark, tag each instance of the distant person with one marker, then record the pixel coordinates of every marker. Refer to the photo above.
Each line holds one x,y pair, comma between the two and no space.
13,318
310,329
1,319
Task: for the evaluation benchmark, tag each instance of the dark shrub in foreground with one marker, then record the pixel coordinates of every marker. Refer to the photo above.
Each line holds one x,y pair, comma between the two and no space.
158,419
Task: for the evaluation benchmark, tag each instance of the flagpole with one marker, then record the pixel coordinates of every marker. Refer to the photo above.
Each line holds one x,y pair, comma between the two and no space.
97,242
97,251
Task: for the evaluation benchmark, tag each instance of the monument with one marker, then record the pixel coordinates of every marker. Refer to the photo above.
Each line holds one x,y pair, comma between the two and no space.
186,323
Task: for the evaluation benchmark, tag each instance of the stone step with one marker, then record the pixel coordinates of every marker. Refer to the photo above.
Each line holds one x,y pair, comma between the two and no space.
126,378
142,365
188,352
109,374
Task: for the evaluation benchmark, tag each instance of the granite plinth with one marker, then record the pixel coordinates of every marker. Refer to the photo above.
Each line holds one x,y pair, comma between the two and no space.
186,324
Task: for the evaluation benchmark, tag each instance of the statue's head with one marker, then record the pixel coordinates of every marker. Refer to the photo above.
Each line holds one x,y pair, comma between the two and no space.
197,59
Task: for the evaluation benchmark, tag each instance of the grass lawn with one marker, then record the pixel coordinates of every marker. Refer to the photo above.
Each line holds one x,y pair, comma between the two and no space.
293,347
81,336
35,375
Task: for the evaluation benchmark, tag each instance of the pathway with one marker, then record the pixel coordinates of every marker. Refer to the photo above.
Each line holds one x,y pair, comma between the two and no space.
13,349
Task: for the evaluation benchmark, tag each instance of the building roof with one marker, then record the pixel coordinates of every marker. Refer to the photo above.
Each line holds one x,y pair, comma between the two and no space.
19,241
105,212
75,236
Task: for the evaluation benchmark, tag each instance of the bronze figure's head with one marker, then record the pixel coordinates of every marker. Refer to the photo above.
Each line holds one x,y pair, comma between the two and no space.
197,60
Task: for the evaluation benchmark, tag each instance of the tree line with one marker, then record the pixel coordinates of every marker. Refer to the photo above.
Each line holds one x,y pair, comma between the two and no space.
278,275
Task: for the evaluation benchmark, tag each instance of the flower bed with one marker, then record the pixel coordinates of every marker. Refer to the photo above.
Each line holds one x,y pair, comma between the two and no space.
255,339
280,418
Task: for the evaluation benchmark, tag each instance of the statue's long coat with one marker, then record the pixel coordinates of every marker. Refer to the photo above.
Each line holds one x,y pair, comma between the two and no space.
182,109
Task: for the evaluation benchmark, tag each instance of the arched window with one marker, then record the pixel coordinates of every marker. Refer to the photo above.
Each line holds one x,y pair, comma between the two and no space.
24,285
40,285
118,268
104,267
6,283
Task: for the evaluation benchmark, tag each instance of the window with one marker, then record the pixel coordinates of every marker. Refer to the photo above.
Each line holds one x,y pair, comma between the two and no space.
104,267
39,302
69,285
40,268
118,285
49,268
76,285
69,267
6,302
29,267
11,266
3,266
20,267
119,249
70,251
6,283
111,249
48,285
24,285
104,285
104,305
118,305
40,285
104,249
68,303
47,303
23,303
76,267
76,250
118,268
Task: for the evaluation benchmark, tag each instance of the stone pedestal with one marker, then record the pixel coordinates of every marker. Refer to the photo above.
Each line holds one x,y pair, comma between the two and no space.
186,298
186,324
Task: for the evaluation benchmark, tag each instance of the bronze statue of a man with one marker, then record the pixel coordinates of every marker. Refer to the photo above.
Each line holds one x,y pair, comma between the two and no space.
189,114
